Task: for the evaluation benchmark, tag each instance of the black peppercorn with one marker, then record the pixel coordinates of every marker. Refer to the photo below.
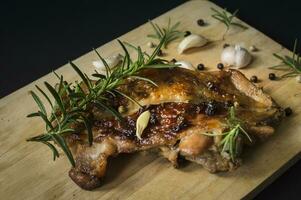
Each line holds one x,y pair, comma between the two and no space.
225,45
201,66
288,111
187,33
160,53
201,22
254,79
173,60
220,66
272,76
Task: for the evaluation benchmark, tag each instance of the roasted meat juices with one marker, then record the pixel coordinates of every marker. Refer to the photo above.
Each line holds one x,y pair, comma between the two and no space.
189,118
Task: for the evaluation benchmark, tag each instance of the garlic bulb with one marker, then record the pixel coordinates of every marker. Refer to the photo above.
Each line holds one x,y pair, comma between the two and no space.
112,61
185,65
190,42
236,56
228,56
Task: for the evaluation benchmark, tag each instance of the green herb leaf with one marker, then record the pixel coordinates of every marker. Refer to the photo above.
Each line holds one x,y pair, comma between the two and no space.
53,149
128,97
108,70
135,48
44,94
82,76
72,104
291,64
127,59
229,141
56,96
33,115
62,143
89,129
44,117
169,33
226,19
157,49
39,102
109,109
145,79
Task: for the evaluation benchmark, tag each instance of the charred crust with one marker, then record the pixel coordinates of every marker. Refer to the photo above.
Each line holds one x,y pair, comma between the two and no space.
167,120
84,180
213,94
273,121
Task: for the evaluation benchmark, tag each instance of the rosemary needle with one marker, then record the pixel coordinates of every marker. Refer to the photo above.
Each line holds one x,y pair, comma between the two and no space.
73,101
230,138
291,64
170,32
226,19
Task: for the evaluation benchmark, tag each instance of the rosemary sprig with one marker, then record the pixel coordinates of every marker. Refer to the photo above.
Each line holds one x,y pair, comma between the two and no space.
70,110
291,64
170,32
226,19
229,141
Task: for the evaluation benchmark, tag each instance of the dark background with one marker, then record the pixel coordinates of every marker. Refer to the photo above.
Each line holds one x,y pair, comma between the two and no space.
37,37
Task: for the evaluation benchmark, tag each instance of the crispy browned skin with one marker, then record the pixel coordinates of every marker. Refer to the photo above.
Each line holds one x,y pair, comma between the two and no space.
184,105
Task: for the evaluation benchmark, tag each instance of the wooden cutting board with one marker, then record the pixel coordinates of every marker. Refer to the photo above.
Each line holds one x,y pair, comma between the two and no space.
28,172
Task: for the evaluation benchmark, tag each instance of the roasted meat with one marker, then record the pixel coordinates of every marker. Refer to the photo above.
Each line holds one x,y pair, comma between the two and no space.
183,106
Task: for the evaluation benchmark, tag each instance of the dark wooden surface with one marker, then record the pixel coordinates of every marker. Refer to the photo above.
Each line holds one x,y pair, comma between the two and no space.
37,37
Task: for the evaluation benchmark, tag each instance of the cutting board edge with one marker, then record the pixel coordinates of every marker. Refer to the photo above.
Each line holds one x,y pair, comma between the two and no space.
264,184
109,42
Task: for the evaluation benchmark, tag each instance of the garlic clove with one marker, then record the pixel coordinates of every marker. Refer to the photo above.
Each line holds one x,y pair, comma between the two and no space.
112,61
235,56
185,65
191,41
228,55
142,123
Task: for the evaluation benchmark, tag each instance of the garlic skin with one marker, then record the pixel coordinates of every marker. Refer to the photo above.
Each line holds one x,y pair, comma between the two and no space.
112,61
185,65
191,41
236,56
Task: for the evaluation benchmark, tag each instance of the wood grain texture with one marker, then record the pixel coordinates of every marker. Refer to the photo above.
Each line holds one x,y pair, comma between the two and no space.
28,172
